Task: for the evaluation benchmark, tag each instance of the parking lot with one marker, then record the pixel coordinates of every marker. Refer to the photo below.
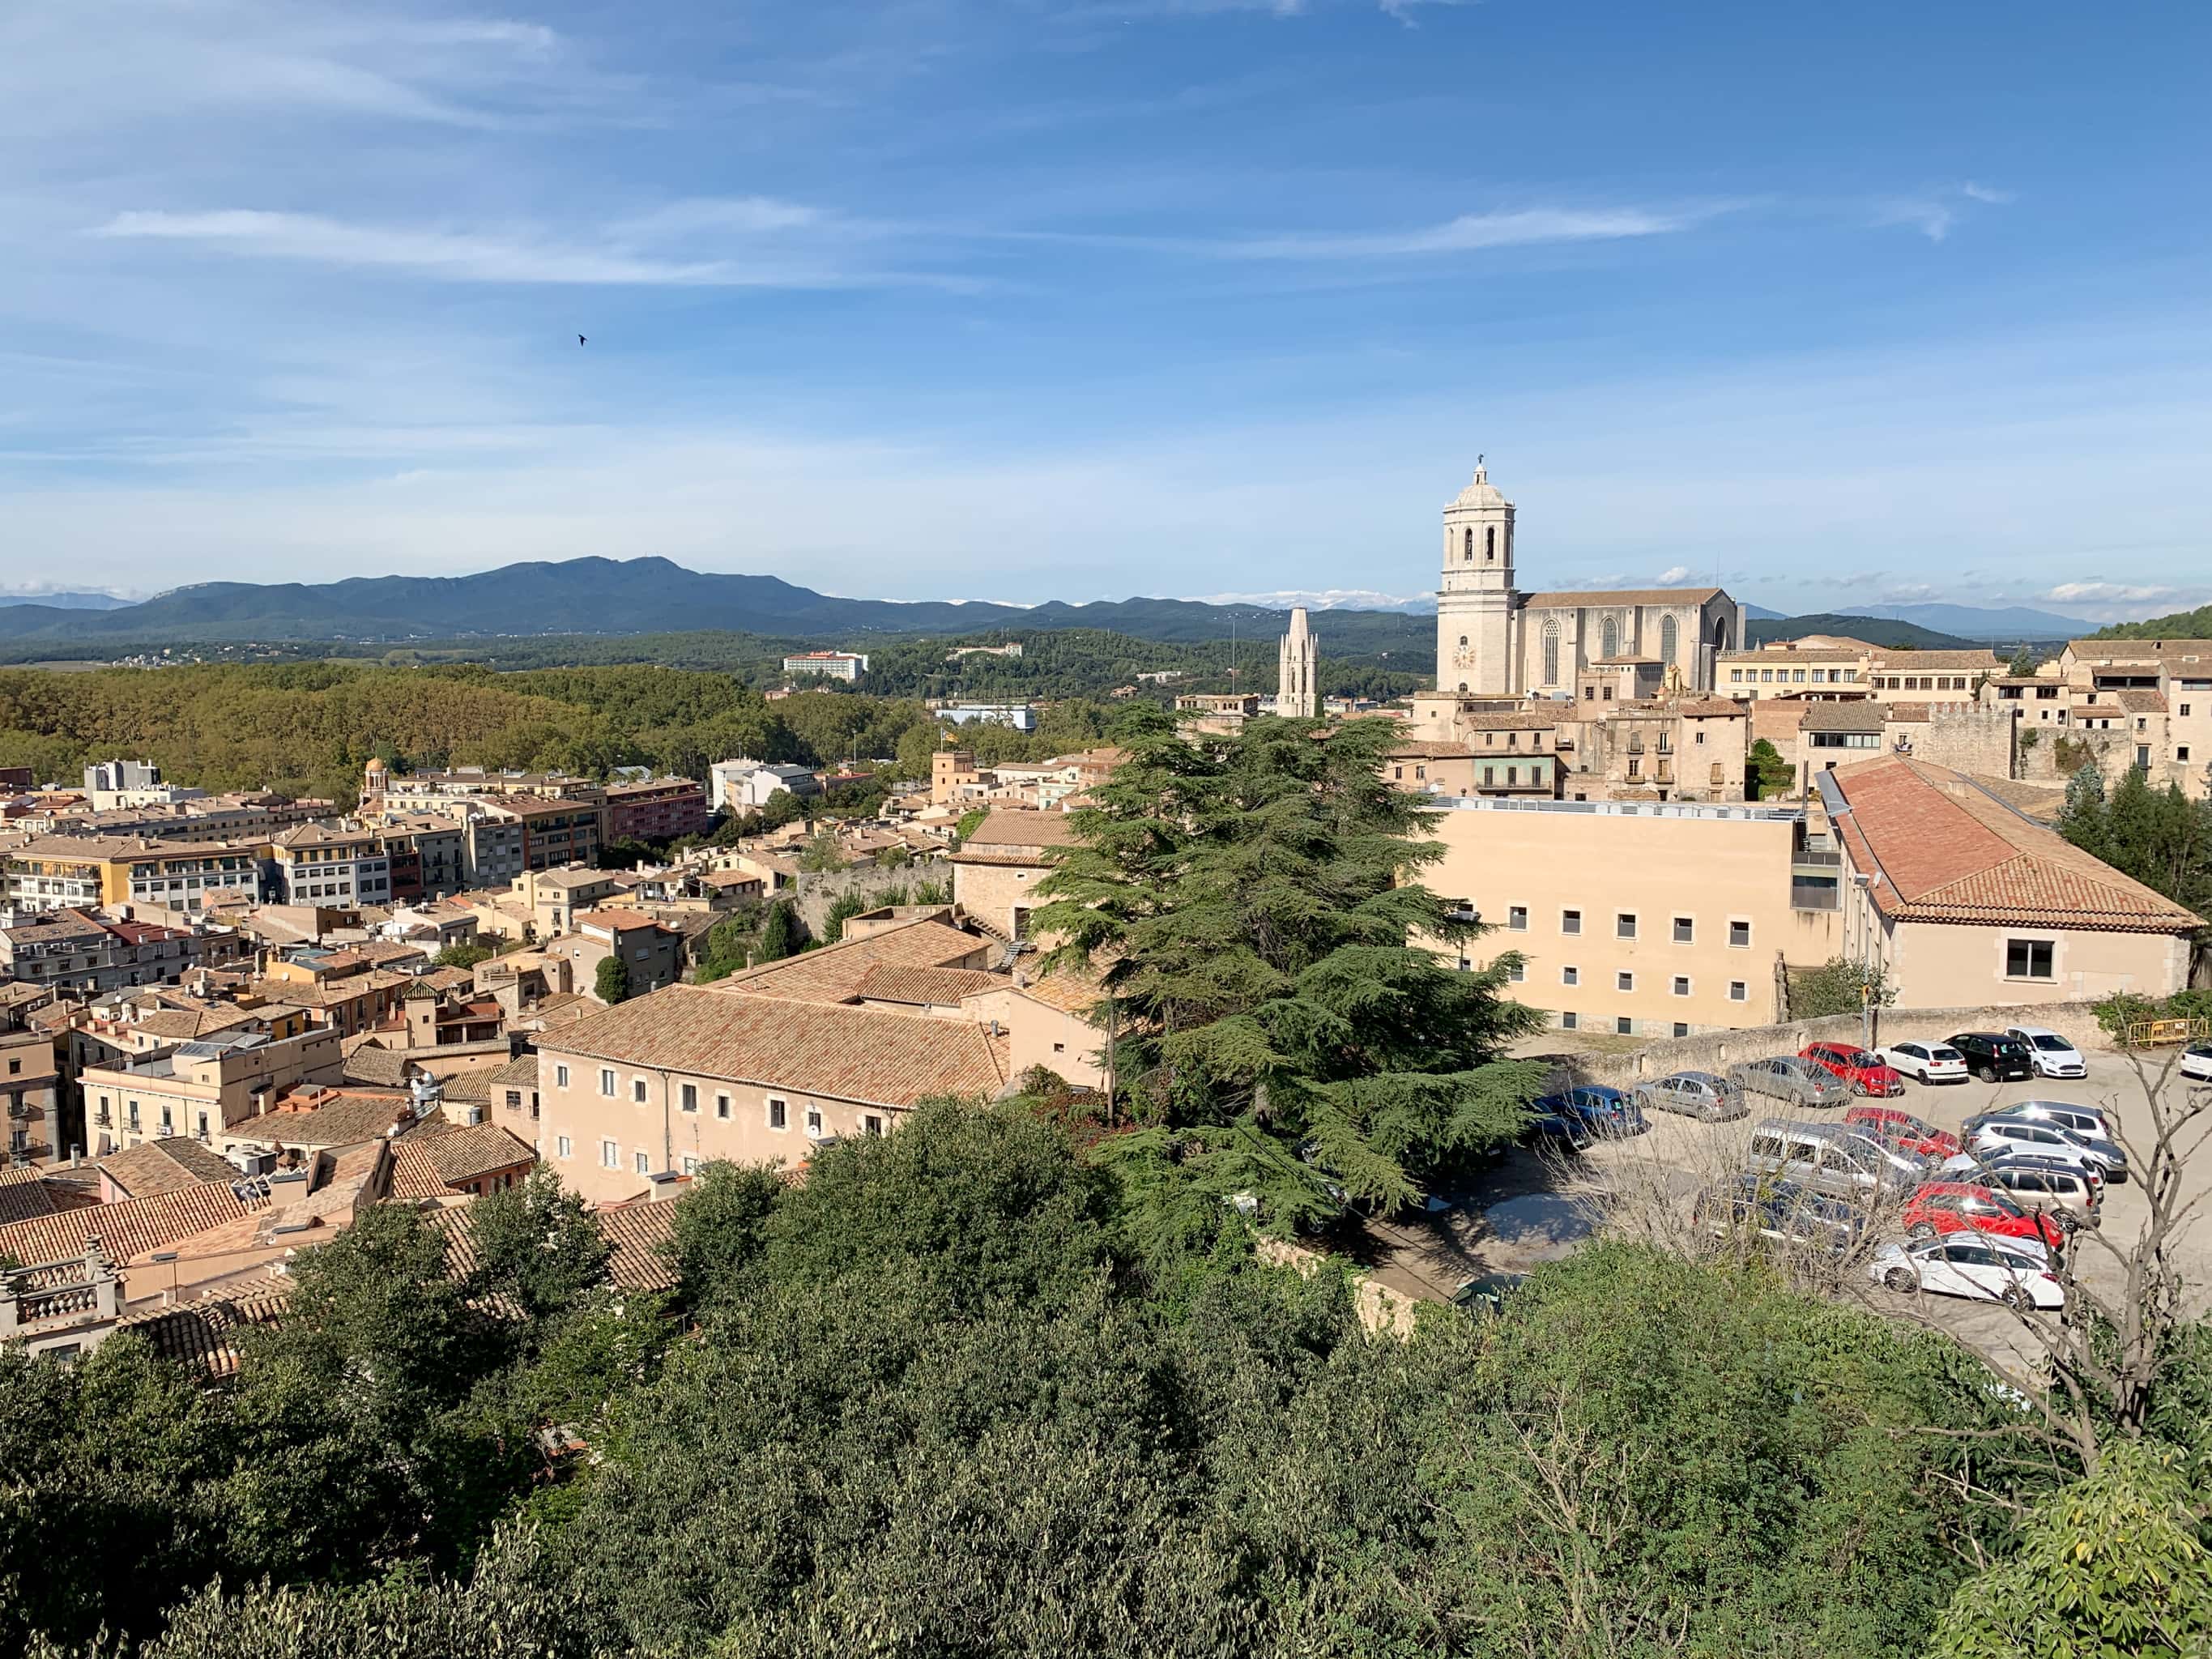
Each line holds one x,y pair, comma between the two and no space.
1534,1209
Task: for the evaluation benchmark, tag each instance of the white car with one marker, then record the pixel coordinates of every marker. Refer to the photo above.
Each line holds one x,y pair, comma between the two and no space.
2197,1061
1931,1062
1977,1265
2051,1054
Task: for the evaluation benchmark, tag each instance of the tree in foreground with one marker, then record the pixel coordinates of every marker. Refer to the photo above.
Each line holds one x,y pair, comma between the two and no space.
1281,1026
611,983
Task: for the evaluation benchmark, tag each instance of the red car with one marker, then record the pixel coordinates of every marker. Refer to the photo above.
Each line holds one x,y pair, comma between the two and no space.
1914,1134
1953,1206
1867,1074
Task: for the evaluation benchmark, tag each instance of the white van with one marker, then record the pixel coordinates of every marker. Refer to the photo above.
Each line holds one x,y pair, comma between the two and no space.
1839,1159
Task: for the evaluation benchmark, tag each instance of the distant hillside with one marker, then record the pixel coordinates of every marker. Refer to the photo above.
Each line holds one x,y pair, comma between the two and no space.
2008,625
2181,625
66,601
1875,630
638,596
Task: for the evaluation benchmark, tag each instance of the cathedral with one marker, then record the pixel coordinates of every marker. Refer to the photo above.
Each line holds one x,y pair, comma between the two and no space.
1297,667
1494,640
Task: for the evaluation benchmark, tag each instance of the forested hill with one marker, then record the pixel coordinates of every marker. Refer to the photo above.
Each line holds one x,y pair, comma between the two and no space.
2180,625
633,596
1875,630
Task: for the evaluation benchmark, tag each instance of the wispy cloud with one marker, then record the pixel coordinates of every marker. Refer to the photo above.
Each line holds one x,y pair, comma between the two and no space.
1472,231
2110,593
1934,213
1675,575
626,256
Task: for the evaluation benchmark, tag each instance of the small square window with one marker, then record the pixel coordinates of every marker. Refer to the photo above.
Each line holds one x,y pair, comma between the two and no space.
1516,918
690,1165
1623,980
1570,975
813,1120
1740,935
1625,1026
1686,930
2029,958
1681,985
1059,1047
644,1166
1571,921
778,1115
722,1107
637,1090
1681,1027
1517,973
690,1097
2181,752
1567,1020
1738,991
871,1124
1624,925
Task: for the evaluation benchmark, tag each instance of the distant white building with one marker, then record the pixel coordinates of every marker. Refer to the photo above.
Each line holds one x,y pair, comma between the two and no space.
1020,716
837,665
744,784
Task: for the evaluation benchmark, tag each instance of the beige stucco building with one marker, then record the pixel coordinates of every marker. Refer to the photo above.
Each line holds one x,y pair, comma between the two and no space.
1645,919
1961,899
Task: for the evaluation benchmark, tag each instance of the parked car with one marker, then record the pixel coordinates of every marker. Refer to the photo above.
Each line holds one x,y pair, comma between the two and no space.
2197,1061
1994,1057
2090,1122
1866,1073
1952,1207
1607,1114
2040,1184
1838,1158
1565,1131
2051,1054
1931,1062
1486,1295
1782,1213
1697,1094
1788,1077
2007,1134
1979,1268
1915,1134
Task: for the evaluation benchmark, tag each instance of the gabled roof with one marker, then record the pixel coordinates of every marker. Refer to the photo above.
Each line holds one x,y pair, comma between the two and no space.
1019,826
164,1166
1942,849
125,1230
1575,597
2175,654
846,1053
206,1332
943,987
833,974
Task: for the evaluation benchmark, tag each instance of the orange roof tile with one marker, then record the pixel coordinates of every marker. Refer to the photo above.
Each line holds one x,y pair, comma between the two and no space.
833,974
889,982
124,1231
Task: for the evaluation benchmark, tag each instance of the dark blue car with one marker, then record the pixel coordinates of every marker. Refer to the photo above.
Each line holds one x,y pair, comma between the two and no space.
1604,1114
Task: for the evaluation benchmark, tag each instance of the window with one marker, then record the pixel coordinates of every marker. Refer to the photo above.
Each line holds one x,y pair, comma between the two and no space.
1623,980
644,1166
1668,637
870,1124
2181,753
1738,991
1571,921
690,1165
168,1125
1608,635
813,1120
1625,1026
1568,1020
1681,1027
1739,935
1686,930
1059,1047
1570,975
607,1082
1516,918
2028,959
1517,973
689,1097
637,1090
1624,925
1551,655
1717,773
563,1146
779,1114
609,1156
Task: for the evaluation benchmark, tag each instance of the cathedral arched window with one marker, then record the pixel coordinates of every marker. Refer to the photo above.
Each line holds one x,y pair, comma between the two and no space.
1609,638
1668,637
1489,542
1551,653
1462,642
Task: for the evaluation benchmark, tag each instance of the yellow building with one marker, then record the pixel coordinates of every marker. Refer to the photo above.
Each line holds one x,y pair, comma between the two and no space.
1640,919
53,872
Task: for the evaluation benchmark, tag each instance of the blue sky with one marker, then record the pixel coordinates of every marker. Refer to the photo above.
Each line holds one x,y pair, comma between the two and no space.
1048,298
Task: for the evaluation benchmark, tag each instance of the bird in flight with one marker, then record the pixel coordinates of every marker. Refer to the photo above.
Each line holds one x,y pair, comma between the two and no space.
580,339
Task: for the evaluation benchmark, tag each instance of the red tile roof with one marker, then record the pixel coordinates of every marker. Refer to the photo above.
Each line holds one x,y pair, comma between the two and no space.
124,1231
833,974
941,986
1942,848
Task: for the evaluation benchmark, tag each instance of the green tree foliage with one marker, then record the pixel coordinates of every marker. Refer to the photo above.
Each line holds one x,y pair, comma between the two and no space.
611,983
782,934
464,956
1838,986
535,1245
2159,836
2178,625
1284,1031
2115,1565
822,855
1770,775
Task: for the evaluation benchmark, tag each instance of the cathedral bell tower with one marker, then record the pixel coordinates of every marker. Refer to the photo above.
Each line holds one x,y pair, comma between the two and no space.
1476,604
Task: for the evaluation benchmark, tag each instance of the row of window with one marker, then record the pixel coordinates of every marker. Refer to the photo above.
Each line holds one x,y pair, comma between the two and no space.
776,1113
1793,676
1622,1024
1625,924
1625,980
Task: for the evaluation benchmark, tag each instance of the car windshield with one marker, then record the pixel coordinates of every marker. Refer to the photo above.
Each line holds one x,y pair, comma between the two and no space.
1860,1057
1912,1125
1945,1052
2051,1044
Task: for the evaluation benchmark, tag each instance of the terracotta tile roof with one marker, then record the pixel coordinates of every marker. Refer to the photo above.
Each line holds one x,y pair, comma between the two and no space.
1921,662
2177,653
125,1230
863,1054
520,1072
344,1119
640,1234
620,920
1431,751
942,986
164,1166
2041,802
1571,600
1529,719
205,1333
387,1069
1070,991
23,1194
1017,826
2139,700
833,974
1943,849
1858,716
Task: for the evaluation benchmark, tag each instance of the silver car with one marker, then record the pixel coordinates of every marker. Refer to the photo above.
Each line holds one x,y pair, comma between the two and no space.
1694,1094
1785,1076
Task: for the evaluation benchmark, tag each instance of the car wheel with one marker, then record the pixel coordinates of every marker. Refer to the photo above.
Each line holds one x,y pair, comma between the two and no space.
1923,1077
1987,1073
1922,1230
1899,1280
2017,1299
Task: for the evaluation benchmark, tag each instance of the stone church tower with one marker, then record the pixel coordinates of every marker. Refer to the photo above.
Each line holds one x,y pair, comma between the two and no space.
1297,682
1475,606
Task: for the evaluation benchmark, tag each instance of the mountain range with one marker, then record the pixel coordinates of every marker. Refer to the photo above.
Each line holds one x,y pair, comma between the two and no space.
67,601
2010,624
